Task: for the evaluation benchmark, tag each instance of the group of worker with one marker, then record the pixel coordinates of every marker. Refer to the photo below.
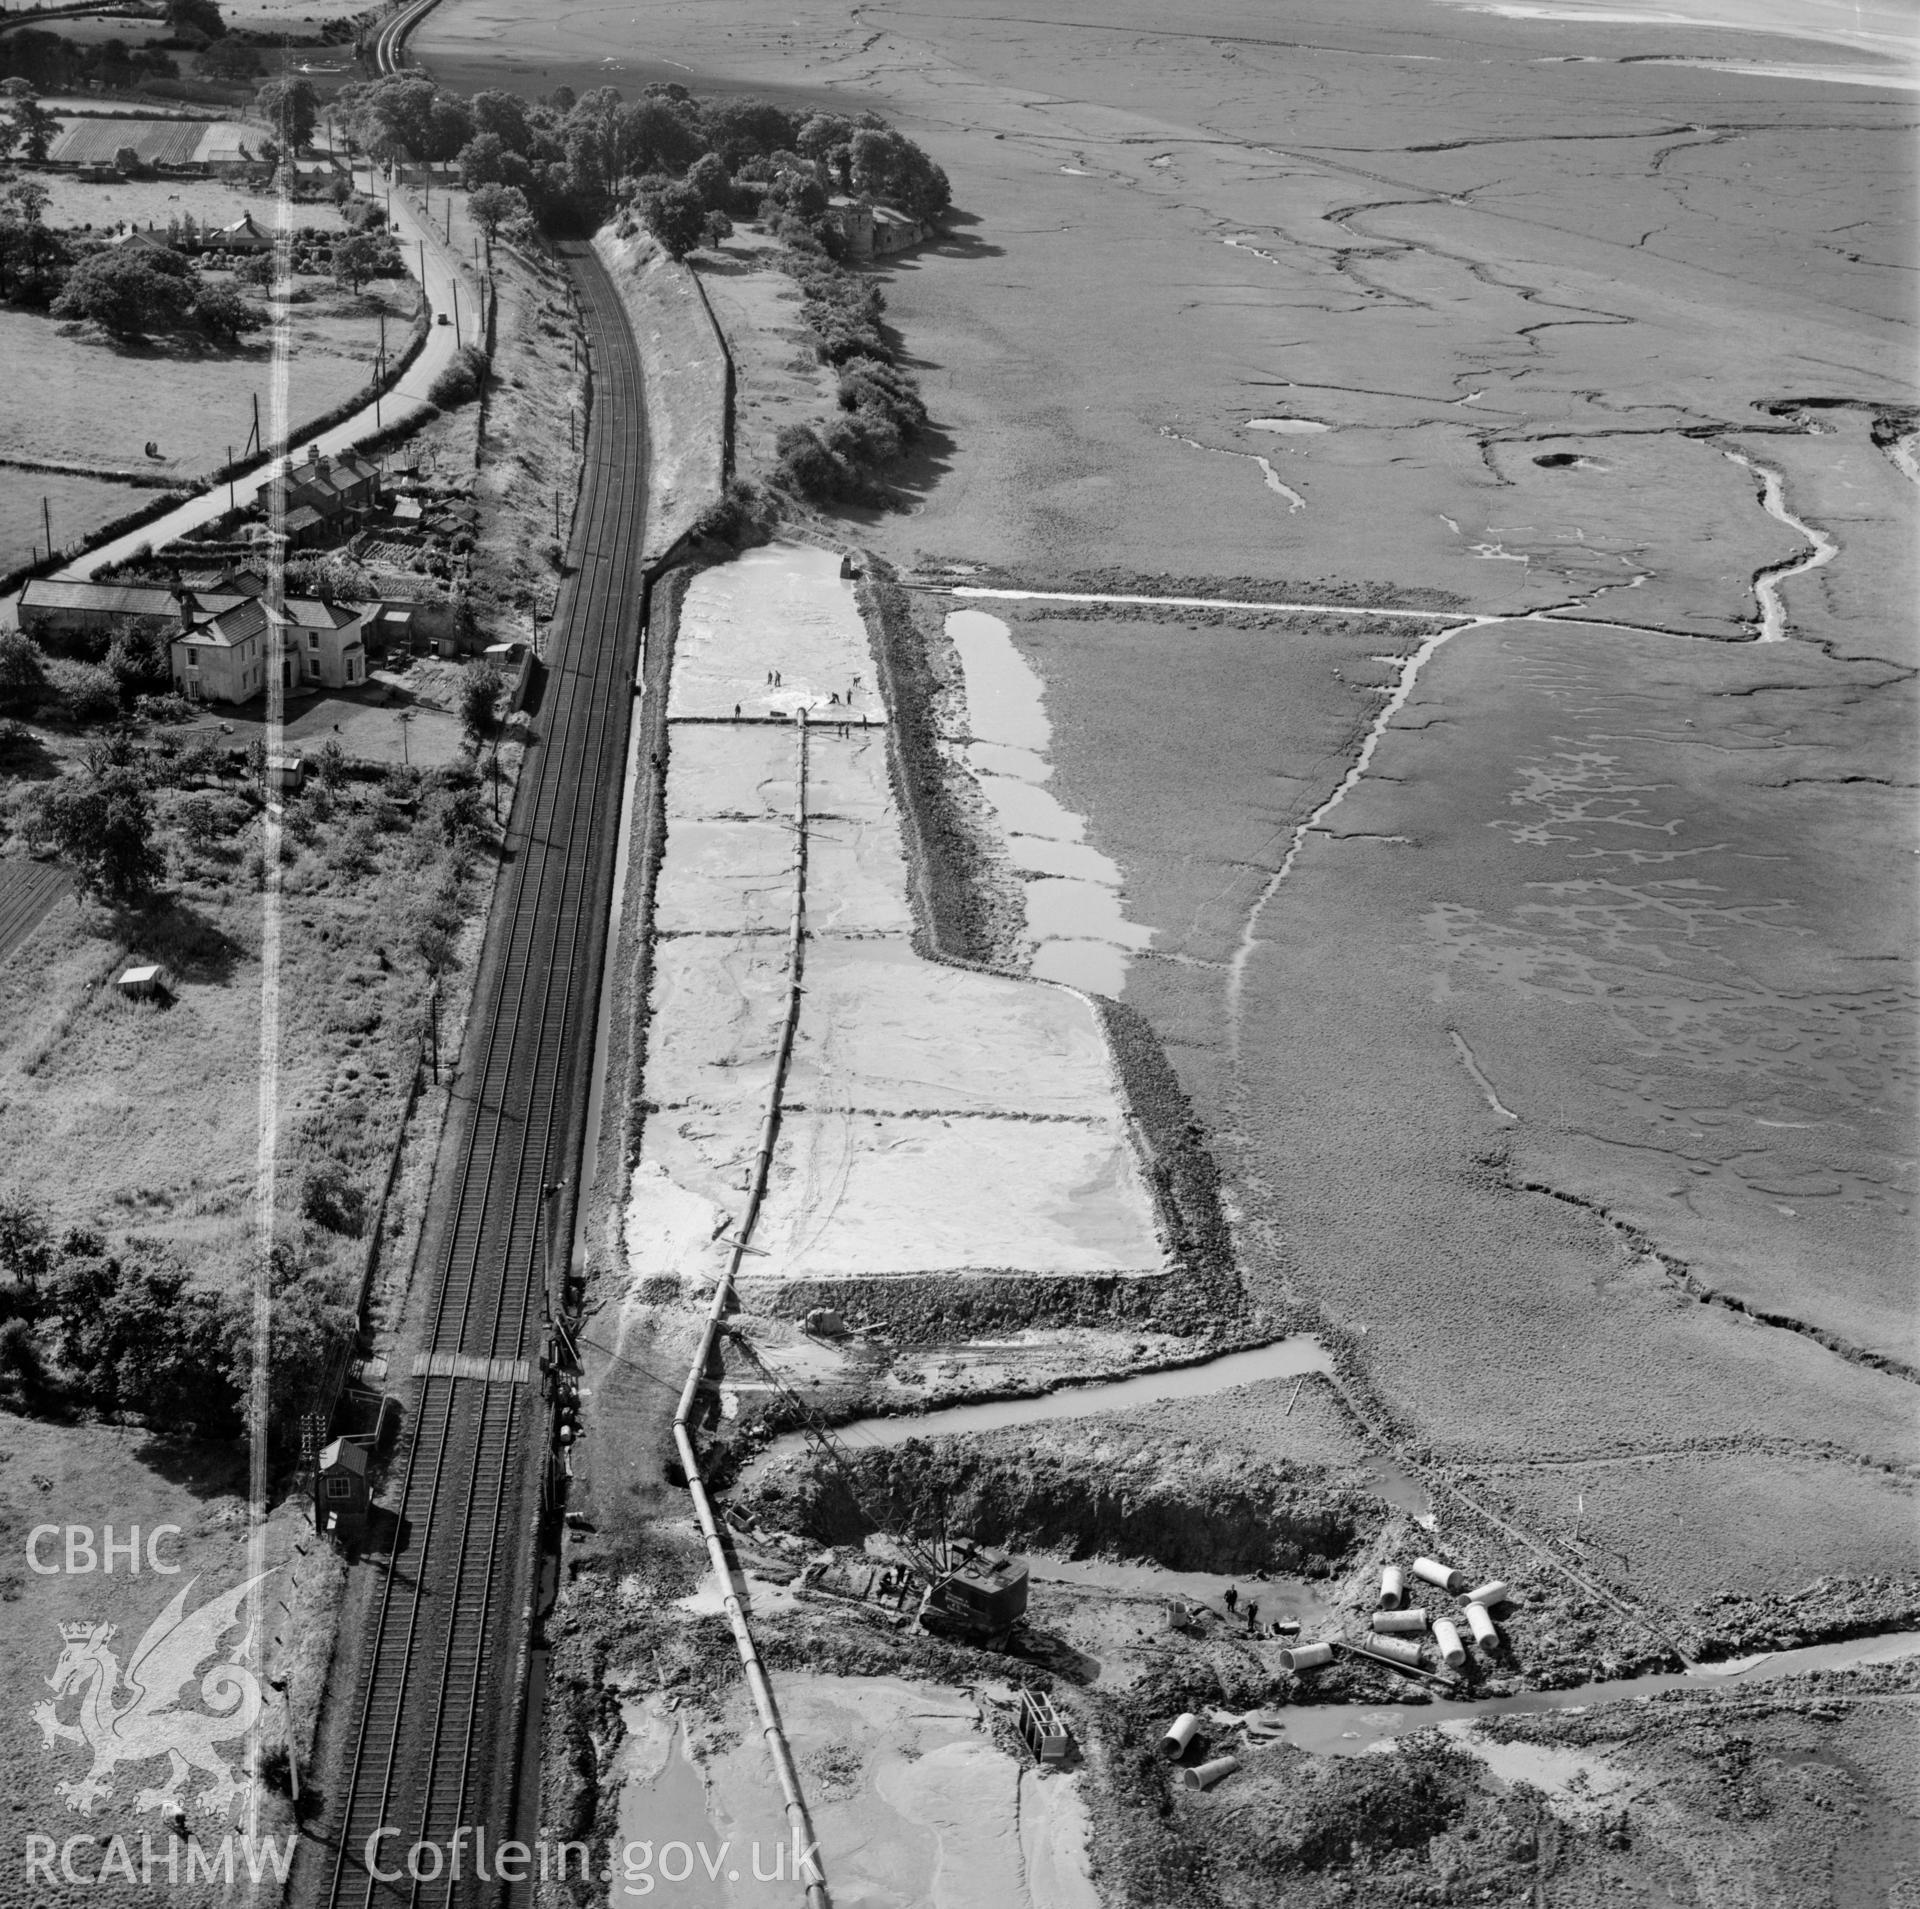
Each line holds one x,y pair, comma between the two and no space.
1282,1627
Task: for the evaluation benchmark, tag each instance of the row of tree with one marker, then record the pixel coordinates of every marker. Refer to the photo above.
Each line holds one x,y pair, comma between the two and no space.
573,159
128,1332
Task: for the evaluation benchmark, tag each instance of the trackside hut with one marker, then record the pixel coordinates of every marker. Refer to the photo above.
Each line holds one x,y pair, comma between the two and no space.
342,1495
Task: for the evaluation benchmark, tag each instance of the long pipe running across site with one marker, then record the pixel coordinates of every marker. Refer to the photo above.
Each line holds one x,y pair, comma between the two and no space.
797,1818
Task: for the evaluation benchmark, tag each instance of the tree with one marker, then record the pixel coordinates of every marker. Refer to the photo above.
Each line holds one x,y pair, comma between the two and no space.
26,1246
479,692
481,160
136,1337
28,128
463,816
741,127
355,260
449,127
221,310
495,206
138,658
672,212
229,60
291,107
101,824
128,292
33,261
502,116
196,16
659,135
709,178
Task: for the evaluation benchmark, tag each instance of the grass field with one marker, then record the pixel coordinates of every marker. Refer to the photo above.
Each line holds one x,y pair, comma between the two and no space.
92,1477
134,1119
77,506
77,397
75,203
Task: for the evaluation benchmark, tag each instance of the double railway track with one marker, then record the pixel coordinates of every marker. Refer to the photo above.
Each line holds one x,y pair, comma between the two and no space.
434,1735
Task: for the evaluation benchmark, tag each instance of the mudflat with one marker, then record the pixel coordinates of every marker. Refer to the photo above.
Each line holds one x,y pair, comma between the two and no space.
1566,1064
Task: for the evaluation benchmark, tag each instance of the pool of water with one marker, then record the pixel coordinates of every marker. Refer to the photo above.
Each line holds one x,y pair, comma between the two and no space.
1347,1729
1278,1598
1290,1358
1074,904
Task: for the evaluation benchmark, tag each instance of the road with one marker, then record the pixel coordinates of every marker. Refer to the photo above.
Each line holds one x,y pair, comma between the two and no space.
450,281
428,1703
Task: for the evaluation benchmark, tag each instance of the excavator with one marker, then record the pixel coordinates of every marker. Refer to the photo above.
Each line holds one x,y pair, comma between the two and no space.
969,1593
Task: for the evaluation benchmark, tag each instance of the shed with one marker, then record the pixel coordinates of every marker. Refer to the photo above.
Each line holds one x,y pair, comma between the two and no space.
145,983
286,774
342,1495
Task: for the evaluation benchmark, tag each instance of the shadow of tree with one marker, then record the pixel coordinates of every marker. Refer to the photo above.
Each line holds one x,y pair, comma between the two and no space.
176,934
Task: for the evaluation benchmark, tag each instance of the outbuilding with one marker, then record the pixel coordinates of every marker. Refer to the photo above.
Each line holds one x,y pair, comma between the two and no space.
342,1494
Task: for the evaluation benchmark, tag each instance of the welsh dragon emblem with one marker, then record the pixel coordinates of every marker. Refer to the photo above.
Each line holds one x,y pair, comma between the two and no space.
137,1715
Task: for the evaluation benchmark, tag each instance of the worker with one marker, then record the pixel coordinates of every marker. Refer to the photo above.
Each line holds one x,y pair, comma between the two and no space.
1253,1616
1231,1599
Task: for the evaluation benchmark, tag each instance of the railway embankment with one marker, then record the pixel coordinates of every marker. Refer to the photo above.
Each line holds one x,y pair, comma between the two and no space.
687,382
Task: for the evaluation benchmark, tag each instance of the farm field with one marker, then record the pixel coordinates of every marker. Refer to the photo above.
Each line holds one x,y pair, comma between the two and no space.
77,505
86,142
193,402
76,203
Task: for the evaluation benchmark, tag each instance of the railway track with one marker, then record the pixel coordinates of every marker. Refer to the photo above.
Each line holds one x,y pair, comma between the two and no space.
389,47
433,1736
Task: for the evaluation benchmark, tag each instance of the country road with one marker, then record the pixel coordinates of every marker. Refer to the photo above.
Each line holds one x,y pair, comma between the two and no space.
449,280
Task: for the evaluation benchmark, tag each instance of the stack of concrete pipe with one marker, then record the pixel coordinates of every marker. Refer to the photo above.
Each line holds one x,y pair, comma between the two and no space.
1398,1629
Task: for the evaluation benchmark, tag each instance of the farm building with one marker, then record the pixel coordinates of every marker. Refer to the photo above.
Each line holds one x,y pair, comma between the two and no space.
871,230
56,607
147,982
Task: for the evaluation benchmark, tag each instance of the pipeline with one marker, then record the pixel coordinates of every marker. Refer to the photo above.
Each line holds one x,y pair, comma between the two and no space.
770,1727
